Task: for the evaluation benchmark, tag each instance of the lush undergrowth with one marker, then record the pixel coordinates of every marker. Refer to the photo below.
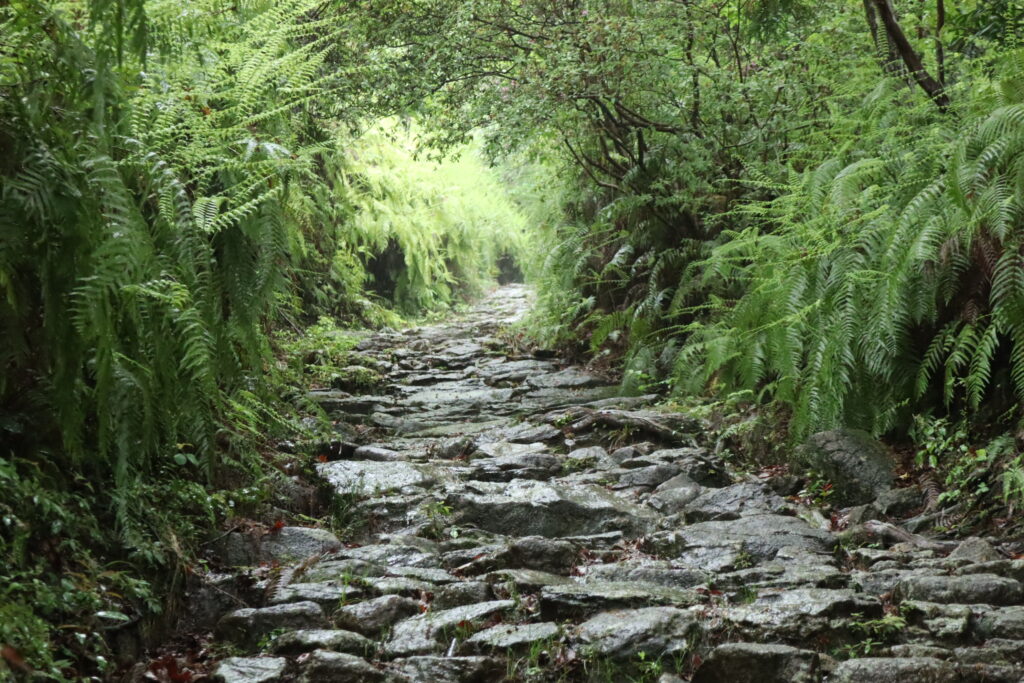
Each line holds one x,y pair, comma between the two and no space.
805,210
177,183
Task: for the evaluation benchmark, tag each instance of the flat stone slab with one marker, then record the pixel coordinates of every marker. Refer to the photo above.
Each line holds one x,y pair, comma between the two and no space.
335,640
759,663
328,595
623,634
368,478
660,572
714,545
435,669
798,614
570,378
1005,622
895,670
370,617
573,600
423,634
250,670
534,508
988,589
248,626
505,637
323,666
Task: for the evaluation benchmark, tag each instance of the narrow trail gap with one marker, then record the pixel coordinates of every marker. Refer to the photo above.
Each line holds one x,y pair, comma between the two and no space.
512,519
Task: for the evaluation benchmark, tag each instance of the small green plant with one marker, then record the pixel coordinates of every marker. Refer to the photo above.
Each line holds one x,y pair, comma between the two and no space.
874,634
745,595
818,490
438,515
884,627
534,666
347,517
648,666
563,420
938,440
744,560
862,648
267,641
967,471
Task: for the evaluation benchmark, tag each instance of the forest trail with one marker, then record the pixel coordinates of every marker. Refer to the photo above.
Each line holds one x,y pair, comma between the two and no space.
509,518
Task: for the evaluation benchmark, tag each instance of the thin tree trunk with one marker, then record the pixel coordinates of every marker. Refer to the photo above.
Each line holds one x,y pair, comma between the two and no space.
894,31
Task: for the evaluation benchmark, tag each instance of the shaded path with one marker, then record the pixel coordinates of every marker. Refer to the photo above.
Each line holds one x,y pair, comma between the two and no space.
516,520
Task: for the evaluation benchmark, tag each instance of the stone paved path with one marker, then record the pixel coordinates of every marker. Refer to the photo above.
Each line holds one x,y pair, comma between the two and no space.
517,522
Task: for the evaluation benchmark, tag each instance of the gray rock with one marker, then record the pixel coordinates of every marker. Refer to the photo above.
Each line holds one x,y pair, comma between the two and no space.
289,544
506,449
532,508
248,626
523,466
400,585
513,637
1005,622
423,634
718,545
804,572
975,550
732,502
674,495
647,477
369,478
758,663
296,544
858,465
350,570
533,552
976,588
594,456
307,640
373,616
899,502
895,670
323,666
451,669
942,621
622,634
1011,568
377,454
570,378
994,650
531,433
919,650
431,574
328,595
696,464
250,670
573,600
462,593
524,580
660,572
796,614
394,555
978,672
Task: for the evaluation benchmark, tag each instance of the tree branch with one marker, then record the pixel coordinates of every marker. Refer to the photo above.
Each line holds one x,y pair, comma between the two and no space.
932,87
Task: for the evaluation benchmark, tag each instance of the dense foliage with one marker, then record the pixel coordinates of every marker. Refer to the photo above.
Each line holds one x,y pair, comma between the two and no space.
175,181
816,206
812,203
